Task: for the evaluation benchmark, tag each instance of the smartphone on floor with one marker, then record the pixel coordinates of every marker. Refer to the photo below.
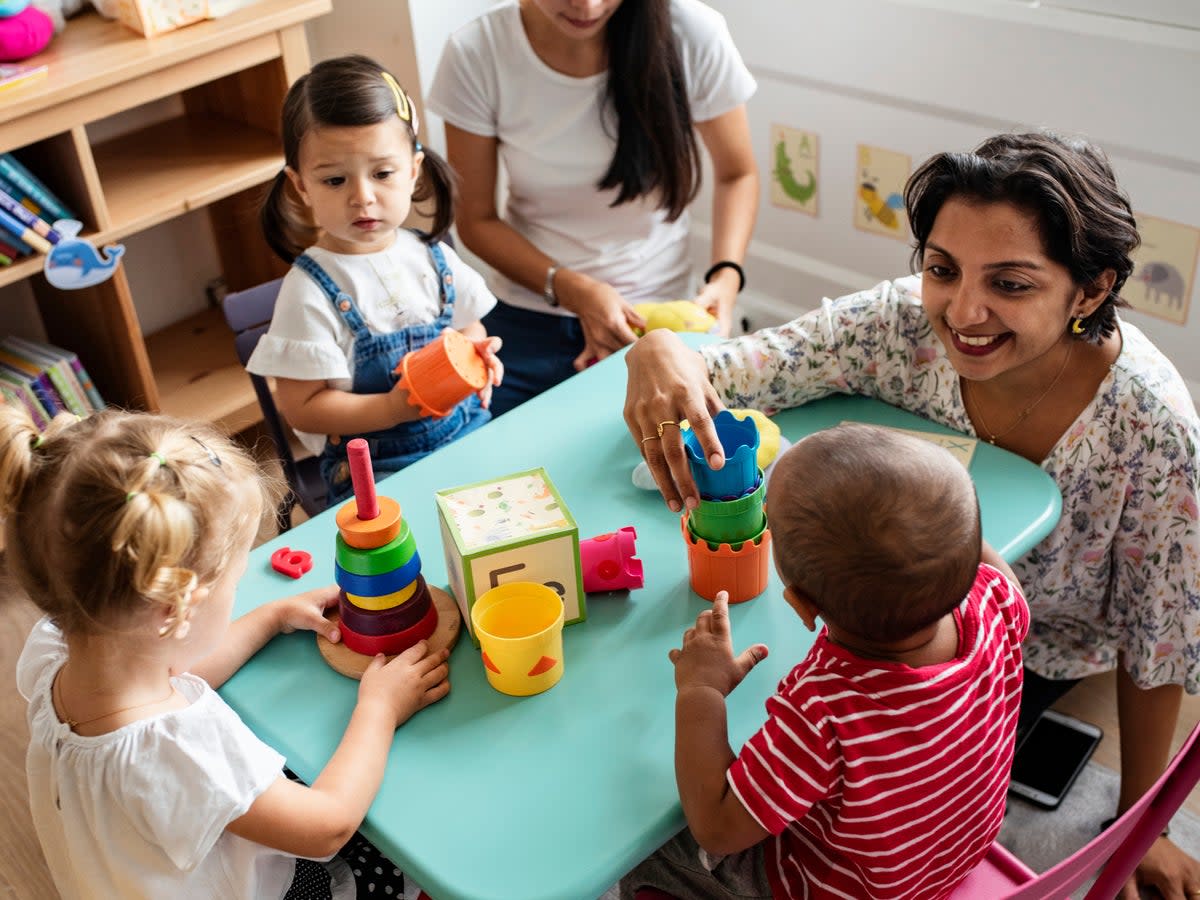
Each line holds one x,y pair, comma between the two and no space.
1051,757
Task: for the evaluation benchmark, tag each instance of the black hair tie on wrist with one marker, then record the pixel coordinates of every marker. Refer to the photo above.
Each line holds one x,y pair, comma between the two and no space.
726,264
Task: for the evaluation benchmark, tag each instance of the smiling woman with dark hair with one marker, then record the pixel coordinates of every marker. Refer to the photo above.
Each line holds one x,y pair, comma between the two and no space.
1010,332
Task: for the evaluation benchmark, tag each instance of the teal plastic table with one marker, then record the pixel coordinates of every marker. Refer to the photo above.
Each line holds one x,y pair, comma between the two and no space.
555,796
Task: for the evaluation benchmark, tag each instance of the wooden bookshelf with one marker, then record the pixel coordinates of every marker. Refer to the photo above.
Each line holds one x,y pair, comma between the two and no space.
229,76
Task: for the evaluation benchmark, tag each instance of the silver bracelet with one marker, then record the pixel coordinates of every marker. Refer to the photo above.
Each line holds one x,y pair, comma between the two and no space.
548,290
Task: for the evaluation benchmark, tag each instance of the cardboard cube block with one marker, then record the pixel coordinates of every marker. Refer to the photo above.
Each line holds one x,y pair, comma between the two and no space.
513,528
151,17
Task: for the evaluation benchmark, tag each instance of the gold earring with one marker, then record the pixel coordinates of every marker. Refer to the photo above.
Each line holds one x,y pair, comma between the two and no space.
1077,325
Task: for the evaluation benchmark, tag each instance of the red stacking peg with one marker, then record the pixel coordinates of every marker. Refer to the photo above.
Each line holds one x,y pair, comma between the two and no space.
363,479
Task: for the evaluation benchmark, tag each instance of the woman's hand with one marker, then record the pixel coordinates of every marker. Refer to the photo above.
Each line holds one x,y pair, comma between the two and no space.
717,298
306,612
667,383
606,317
1167,869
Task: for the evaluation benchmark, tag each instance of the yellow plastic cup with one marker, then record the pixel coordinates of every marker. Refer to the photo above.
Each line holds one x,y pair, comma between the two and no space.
519,626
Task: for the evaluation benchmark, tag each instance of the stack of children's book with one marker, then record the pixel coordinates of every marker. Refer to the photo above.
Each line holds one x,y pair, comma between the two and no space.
45,379
27,209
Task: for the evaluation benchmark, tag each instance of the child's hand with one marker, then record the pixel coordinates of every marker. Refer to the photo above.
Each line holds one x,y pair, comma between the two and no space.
307,612
707,659
409,683
487,348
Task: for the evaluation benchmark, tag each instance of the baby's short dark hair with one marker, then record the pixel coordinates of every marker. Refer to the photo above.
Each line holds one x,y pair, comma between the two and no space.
880,529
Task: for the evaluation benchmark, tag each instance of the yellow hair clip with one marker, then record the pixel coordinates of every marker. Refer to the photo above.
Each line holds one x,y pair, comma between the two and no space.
404,107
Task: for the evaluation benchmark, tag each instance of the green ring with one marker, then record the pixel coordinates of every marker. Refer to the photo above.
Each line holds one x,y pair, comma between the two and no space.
378,560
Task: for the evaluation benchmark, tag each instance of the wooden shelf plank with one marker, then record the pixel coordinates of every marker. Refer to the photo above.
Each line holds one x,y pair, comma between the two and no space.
95,55
198,373
167,169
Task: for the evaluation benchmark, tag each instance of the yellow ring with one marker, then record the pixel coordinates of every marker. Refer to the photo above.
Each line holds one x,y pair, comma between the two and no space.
653,437
662,425
384,601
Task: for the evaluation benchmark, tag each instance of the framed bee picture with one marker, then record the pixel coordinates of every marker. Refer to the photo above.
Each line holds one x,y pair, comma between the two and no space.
879,191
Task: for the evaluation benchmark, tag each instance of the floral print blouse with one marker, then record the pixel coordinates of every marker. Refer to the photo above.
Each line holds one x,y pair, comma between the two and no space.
1120,572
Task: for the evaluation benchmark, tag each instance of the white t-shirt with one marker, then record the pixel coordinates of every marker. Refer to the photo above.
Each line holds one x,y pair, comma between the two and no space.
392,289
556,138
141,812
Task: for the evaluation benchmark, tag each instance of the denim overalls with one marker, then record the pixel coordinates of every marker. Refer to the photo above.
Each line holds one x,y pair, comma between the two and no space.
375,356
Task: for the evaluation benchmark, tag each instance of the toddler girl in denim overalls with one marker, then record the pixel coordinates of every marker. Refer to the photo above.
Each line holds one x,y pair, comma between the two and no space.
368,291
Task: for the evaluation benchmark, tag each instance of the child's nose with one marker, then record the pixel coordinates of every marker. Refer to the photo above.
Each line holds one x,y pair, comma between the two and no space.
363,192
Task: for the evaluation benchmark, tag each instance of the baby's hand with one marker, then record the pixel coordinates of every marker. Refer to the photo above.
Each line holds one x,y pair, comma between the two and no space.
487,349
307,612
707,659
409,683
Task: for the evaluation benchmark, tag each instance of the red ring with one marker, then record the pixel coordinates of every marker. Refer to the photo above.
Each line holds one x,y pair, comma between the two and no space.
390,644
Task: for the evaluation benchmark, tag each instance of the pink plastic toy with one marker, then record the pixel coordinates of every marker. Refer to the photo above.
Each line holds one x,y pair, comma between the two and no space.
24,34
609,561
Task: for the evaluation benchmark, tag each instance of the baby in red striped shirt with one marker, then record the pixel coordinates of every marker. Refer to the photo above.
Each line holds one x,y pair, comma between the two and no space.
882,767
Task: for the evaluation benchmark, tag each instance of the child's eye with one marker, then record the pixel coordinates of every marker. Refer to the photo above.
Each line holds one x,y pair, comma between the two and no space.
385,174
334,181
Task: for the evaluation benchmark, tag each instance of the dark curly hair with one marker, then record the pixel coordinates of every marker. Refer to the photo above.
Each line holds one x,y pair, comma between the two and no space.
1084,218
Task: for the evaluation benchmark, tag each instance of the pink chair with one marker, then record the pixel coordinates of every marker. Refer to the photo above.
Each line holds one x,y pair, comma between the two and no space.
1114,853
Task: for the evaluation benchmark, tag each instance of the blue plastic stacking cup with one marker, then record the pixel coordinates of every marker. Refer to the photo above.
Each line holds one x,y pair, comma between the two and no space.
739,441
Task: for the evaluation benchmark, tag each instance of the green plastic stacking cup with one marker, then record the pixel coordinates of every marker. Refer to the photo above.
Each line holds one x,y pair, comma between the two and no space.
729,521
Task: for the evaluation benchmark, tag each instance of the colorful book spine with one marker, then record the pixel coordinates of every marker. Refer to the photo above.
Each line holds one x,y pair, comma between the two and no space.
9,250
49,355
28,184
85,381
27,399
39,381
14,229
13,207
55,367
24,385
45,395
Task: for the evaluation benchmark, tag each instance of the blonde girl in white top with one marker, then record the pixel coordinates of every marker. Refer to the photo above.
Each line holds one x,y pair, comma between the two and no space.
130,531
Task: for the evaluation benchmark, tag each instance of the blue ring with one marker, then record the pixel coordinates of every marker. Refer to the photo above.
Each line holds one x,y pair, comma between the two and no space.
378,585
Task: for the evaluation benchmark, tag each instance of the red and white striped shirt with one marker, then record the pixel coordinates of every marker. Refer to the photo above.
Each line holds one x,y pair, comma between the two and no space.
884,781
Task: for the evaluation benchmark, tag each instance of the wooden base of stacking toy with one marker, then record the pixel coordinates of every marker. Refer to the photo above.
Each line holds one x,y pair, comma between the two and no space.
345,661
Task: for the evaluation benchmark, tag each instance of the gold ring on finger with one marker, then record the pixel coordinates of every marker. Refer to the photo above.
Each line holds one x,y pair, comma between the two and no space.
662,425
653,437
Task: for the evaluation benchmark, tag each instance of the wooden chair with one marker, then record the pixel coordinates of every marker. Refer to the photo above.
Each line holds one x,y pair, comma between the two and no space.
1112,856
248,313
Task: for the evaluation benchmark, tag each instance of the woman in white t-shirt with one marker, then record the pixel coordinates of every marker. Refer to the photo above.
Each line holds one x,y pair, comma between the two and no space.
592,108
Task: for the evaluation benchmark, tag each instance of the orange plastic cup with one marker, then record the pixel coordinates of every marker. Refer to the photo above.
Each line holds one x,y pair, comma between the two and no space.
443,373
742,572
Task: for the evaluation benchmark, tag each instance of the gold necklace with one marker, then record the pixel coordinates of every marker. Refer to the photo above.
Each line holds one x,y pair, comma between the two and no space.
995,435
56,689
